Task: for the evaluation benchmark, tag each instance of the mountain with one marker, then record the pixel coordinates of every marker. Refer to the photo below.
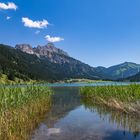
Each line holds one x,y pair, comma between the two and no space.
120,71
134,78
49,63
42,63
49,52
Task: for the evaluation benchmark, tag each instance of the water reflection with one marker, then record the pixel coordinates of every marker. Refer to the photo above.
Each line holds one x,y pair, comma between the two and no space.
73,118
63,102
127,122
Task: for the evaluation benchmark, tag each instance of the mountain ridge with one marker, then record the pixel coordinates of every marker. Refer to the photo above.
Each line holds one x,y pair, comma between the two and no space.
50,63
121,71
134,78
48,51
58,67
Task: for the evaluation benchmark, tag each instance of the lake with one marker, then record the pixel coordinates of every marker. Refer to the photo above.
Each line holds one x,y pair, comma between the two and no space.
70,118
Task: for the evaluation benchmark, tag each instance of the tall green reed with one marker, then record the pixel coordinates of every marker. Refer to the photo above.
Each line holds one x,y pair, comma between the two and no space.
21,109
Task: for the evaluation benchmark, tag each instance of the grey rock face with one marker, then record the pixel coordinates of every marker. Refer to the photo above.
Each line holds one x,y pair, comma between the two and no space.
48,51
49,48
25,48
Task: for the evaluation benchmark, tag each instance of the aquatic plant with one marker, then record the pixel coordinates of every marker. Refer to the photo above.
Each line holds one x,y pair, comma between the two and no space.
125,93
21,109
122,97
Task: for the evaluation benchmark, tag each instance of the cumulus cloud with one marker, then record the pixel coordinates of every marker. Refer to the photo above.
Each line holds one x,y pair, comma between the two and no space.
8,6
34,24
53,39
8,17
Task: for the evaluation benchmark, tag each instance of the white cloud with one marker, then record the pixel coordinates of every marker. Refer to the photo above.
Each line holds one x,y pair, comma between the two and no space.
53,39
8,6
8,17
34,24
37,32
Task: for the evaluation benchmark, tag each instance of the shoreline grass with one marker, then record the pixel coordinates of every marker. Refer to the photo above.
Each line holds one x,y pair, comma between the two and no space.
123,97
21,110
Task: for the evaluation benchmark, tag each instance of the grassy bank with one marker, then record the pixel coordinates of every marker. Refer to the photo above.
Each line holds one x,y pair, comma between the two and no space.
124,98
82,81
21,110
4,80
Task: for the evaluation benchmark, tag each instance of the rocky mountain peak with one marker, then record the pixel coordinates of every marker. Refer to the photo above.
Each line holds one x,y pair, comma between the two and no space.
50,48
48,51
41,50
25,48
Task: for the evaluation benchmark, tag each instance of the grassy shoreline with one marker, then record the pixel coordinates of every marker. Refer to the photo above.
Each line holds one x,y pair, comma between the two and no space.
21,110
123,98
5,81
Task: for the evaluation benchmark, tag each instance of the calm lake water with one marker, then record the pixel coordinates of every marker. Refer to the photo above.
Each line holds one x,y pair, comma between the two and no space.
71,118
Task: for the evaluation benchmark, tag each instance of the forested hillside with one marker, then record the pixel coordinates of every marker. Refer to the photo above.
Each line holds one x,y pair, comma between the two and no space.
15,63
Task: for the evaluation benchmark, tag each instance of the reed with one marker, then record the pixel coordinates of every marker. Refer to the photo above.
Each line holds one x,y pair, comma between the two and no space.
123,97
125,93
21,110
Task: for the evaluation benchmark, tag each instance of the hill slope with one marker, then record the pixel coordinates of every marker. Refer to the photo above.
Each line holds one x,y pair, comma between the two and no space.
121,71
43,63
135,78
51,64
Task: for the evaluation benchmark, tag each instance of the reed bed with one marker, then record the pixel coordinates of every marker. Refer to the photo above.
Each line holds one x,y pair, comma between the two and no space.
123,97
21,110
125,93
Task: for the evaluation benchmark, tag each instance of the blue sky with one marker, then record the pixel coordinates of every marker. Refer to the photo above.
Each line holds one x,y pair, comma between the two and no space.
97,32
